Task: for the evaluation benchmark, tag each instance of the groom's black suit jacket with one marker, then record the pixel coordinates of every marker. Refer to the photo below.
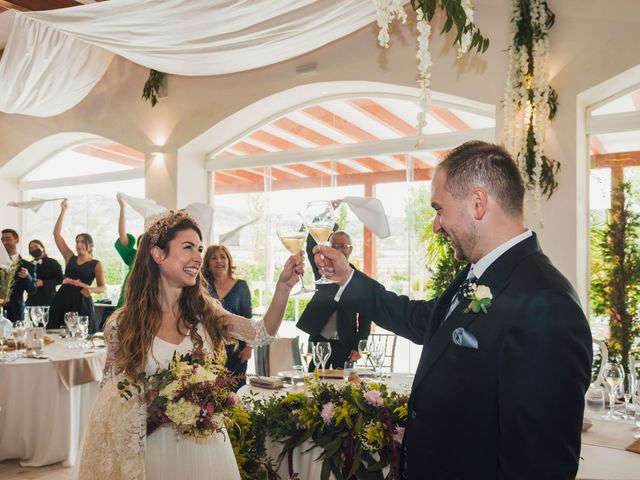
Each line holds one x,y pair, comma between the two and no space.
513,407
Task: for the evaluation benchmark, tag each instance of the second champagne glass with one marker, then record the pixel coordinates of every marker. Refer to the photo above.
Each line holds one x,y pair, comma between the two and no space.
323,352
614,376
292,232
306,352
320,218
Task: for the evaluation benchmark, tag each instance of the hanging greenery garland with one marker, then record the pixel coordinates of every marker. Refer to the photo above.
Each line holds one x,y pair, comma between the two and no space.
458,13
530,103
152,86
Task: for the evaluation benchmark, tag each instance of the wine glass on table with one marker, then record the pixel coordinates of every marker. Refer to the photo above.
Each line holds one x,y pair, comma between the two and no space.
323,352
377,357
292,232
320,217
306,352
614,376
71,321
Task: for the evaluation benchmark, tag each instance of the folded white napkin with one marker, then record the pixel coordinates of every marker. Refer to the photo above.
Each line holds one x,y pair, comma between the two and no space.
266,382
371,212
34,204
144,206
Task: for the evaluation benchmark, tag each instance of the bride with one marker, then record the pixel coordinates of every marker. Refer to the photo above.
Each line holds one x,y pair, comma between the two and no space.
167,309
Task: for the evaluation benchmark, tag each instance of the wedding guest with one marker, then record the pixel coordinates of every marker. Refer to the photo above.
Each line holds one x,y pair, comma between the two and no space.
326,320
497,394
168,310
80,271
235,297
49,273
126,247
25,277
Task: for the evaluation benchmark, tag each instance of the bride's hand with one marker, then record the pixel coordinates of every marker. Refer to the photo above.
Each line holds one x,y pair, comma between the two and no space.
292,271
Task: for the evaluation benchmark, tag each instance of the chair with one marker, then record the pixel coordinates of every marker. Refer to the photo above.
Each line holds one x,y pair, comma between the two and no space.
388,340
601,355
280,355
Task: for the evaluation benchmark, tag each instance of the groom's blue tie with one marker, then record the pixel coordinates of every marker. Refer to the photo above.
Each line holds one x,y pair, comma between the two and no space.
459,296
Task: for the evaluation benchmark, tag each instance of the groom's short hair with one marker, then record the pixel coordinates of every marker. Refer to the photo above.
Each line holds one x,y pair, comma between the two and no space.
480,164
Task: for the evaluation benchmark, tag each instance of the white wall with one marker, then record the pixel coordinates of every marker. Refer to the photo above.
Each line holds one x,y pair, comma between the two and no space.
591,42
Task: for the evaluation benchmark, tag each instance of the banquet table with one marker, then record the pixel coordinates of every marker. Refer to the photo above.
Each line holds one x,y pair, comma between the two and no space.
45,404
603,446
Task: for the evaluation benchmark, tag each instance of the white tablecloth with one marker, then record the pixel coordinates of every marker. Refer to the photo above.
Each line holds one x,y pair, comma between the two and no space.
42,420
603,454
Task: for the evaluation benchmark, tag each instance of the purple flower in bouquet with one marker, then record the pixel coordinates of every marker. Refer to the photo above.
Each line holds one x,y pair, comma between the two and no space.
398,435
328,412
374,397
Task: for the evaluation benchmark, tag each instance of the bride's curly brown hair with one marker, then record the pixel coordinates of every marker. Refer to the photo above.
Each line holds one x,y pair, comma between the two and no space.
139,320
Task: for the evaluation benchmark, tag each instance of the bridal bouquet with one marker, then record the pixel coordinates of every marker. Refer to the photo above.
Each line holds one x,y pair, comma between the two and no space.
7,279
194,394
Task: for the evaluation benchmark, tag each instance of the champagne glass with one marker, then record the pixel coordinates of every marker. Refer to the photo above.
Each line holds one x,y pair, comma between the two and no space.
71,320
377,357
292,232
20,336
83,330
306,352
320,217
323,352
363,350
614,376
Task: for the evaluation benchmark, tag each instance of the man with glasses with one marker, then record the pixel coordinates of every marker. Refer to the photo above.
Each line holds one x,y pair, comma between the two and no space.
326,320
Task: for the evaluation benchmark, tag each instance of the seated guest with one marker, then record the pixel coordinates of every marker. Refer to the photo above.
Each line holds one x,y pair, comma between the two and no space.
25,278
324,319
49,273
235,297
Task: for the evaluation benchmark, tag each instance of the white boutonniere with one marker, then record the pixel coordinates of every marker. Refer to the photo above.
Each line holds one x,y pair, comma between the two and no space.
480,296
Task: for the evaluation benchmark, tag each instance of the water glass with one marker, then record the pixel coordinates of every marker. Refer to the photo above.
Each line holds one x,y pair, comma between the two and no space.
297,375
594,399
348,370
614,376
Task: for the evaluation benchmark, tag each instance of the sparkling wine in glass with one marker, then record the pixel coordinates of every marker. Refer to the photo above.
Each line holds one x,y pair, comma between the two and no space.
363,350
320,217
292,232
306,352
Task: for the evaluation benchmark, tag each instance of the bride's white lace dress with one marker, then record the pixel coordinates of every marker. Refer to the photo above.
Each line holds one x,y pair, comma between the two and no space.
116,446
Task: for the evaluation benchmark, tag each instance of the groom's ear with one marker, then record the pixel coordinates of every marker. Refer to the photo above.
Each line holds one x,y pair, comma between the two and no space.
480,201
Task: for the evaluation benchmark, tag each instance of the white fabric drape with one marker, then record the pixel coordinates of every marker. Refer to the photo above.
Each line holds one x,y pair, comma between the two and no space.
53,59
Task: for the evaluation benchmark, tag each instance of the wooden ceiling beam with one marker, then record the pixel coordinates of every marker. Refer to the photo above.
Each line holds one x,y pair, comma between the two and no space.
319,182
301,131
120,149
378,113
449,119
372,164
619,159
275,142
37,5
90,150
339,124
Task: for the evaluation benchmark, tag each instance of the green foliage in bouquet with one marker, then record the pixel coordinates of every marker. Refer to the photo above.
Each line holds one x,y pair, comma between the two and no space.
441,260
615,274
359,429
7,279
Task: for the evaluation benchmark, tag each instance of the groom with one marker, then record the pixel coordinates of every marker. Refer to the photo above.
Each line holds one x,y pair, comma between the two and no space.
497,395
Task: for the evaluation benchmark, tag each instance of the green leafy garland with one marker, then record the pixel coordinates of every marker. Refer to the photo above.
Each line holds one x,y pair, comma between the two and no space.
152,86
357,427
530,103
440,261
615,280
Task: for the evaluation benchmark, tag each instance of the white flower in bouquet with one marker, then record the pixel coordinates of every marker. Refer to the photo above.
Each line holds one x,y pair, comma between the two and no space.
182,412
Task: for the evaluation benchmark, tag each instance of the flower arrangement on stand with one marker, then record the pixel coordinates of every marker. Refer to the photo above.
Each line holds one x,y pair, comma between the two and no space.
458,13
358,427
530,103
194,394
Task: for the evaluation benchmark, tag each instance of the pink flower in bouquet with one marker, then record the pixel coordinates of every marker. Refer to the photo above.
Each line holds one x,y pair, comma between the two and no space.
328,412
232,399
398,434
210,409
374,397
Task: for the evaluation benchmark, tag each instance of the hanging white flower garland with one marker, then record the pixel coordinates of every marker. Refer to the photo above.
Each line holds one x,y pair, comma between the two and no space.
529,101
459,13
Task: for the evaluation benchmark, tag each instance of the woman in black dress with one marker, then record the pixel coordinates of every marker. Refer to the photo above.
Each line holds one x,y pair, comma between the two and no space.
235,297
80,271
48,274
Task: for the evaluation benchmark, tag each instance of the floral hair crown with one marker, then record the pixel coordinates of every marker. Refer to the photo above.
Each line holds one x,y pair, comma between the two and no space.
166,222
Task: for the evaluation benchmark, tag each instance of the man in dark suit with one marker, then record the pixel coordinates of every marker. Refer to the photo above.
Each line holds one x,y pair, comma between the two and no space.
25,279
326,320
497,395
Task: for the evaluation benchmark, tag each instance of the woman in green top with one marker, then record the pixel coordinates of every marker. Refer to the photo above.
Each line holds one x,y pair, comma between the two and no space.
126,248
